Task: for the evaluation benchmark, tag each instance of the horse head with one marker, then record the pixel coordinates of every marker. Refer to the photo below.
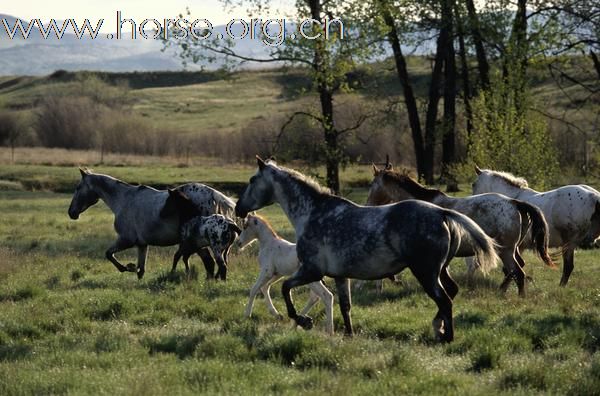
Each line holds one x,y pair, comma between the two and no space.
378,194
85,195
259,192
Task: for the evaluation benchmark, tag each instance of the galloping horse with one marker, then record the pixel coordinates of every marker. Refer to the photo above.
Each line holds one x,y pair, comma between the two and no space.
572,212
502,218
277,258
340,239
137,214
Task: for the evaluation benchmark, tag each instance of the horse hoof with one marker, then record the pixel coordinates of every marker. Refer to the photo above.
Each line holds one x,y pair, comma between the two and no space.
305,322
140,274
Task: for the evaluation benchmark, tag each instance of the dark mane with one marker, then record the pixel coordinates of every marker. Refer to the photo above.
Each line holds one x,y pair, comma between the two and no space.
411,186
179,203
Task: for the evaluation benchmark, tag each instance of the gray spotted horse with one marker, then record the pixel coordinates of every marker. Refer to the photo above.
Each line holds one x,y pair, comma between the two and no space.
138,222
342,240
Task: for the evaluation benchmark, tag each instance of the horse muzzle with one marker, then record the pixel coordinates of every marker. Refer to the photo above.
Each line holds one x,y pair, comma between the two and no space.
240,212
73,214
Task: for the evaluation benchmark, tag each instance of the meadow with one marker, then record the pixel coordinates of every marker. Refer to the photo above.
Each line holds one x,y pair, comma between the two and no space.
71,324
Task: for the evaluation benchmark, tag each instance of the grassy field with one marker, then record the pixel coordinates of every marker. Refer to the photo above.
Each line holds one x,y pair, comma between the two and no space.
71,324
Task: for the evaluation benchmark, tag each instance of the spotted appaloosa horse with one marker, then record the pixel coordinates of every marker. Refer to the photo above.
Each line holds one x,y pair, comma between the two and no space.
277,258
572,212
504,219
340,239
137,214
199,231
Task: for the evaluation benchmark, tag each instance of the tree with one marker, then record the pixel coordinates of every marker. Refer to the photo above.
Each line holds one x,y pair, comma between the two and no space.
11,129
329,56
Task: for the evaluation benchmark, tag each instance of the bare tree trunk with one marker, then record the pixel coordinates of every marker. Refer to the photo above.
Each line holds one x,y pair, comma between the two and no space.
449,126
432,107
409,96
467,94
482,63
333,155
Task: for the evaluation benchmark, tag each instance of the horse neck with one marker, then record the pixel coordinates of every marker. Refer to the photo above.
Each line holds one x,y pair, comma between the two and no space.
110,190
396,190
296,198
265,233
514,191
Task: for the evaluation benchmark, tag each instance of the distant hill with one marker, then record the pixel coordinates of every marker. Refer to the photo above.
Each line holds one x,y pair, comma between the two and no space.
39,56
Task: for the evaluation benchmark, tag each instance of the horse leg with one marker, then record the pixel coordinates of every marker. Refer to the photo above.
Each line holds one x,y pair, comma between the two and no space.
305,274
222,271
266,293
318,290
262,280
442,323
209,262
512,270
567,265
521,263
118,246
142,256
448,283
176,258
345,301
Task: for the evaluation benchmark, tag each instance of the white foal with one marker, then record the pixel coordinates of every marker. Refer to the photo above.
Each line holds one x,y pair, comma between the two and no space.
277,258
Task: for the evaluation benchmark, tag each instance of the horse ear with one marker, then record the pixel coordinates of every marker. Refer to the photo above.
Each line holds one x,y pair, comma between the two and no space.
261,163
84,172
477,170
375,169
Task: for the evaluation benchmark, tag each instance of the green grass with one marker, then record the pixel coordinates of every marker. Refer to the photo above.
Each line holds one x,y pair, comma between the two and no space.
71,324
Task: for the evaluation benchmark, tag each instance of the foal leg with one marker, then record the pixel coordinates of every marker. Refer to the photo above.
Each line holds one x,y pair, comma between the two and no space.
345,301
266,291
142,256
209,262
222,271
263,277
512,270
448,283
305,274
318,290
567,265
118,246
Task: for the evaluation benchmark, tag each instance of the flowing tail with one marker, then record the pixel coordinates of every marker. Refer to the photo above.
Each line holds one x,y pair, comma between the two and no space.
465,230
539,230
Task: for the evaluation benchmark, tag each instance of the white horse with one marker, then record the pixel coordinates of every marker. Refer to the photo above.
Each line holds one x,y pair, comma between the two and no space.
277,258
572,212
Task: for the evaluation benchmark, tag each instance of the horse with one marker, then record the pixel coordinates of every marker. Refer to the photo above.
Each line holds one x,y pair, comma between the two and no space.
137,215
277,258
572,211
342,240
504,219
200,231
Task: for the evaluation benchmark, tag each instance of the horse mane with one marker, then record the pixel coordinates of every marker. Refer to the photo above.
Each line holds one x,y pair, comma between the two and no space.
297,176
411,186
267,224
509,178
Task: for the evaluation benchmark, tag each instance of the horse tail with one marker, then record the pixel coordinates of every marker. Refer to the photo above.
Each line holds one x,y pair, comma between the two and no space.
463,229
539,229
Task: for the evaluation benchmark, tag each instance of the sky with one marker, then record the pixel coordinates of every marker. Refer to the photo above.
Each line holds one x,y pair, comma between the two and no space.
135,9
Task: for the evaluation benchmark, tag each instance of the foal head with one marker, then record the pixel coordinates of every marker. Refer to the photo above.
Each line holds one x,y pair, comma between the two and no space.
259,192
85,195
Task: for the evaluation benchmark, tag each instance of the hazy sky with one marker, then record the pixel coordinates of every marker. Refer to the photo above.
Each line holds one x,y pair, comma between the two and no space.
135,9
